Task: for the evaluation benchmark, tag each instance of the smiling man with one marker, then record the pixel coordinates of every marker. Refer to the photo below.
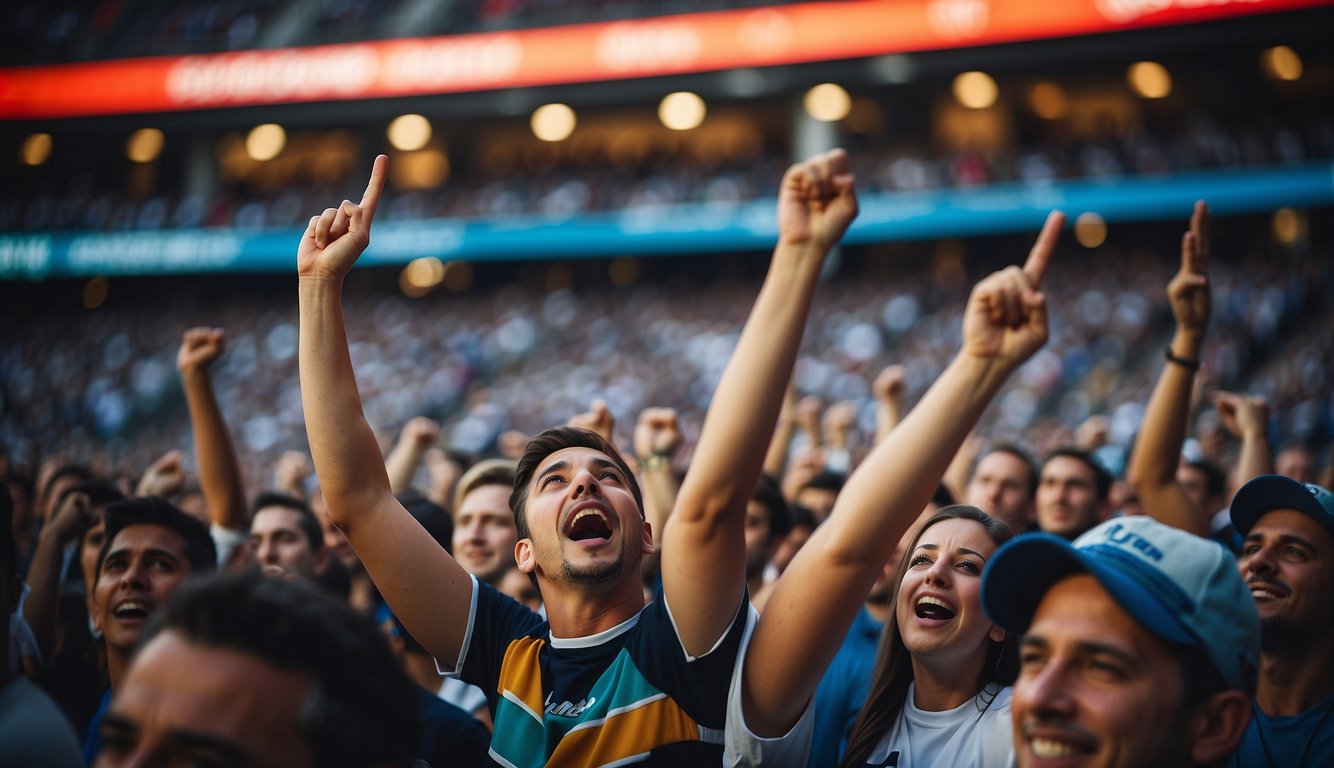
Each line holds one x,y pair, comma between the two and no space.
1288,563
605,679
1139,646
152,547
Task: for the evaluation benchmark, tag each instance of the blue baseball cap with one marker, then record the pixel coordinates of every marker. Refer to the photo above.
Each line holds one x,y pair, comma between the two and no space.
1180,587
1267,493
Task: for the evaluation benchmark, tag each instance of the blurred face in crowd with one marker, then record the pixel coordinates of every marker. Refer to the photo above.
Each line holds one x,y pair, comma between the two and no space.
759,542
820,501
1194,483
484,532
1288,563
1067,497
183,703
1296,462
1000,486
143,566
1095,688
517,585
790,546
939,611
280,546
585,527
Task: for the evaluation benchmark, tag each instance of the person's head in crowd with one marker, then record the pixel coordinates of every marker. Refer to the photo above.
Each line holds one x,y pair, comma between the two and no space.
151,548
819,493
20,488
1296,461
937,629
1003,484
1072,493
286,538
572,482
485,530
241,669
430,516
100,494
767,525
1287,559
514,583
1139,645
801,526
1203,483
57,482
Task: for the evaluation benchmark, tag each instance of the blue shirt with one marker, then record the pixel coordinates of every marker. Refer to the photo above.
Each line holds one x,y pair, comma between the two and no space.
843,691
1304,740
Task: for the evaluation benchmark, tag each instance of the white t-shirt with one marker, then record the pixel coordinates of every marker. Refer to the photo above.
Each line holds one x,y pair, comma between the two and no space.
966,735
741,747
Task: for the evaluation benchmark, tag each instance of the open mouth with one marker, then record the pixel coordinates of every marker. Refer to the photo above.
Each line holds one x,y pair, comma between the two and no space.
1051,749
934,608
132,610
589,524
1262,591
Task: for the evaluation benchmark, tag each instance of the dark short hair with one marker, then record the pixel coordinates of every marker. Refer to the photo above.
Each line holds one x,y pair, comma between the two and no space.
154,510
1102,479
310,525
547,443
361,709
1014,450
78,471
99,492
1215,480
826,480
433,517
942,497
800,517
770,496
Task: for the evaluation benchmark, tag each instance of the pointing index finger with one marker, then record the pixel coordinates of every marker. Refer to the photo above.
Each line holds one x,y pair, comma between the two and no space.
371,199
1038,258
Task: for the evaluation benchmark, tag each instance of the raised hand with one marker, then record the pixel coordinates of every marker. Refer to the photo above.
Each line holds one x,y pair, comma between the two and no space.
199,348
1188,290
421,432
598,419
74,516
164,477
1006,317
657,433
1242,414
890,384
817,201
335,239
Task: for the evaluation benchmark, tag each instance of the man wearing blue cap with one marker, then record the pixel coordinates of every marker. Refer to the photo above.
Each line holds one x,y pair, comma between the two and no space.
1288,564
1139,646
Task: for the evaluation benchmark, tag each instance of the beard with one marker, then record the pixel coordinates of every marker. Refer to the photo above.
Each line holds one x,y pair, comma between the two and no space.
607,572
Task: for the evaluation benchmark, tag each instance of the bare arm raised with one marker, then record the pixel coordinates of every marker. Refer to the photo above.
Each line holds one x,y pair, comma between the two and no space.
219,471
1153,463
425,587
1004,324
703,573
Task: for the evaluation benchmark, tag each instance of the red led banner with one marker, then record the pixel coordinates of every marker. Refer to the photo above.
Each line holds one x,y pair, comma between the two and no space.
667,45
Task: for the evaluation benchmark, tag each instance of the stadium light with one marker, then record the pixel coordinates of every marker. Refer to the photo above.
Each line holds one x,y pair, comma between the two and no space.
95,292
1281,63
1048,101
975,90
1090,230
682,110
553,122
1289,226
36,149
827,102
1149,79
409,133
145,145
265,142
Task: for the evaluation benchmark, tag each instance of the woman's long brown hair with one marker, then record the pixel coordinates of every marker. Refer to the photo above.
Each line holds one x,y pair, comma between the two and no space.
893,664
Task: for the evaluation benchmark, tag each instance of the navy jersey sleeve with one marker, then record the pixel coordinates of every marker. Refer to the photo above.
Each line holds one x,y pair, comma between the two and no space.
699,685
496,621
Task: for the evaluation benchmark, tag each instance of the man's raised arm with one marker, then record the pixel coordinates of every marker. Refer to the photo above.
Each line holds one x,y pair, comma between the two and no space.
1152,468
219,471
422,583
816,598
703,571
